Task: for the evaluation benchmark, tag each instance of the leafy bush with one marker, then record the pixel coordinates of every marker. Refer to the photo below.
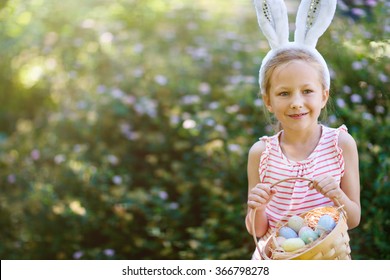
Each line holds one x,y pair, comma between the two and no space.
122,140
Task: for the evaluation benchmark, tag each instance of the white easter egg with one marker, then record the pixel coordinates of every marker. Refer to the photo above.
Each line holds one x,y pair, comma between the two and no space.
296,222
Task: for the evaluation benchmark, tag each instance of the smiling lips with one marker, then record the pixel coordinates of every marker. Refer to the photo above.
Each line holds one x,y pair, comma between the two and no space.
297,116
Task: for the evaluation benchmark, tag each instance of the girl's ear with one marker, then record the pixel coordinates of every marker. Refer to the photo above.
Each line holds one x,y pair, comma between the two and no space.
325,97
267,102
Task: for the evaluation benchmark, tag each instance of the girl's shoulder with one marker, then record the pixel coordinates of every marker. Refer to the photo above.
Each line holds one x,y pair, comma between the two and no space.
346,141
343,139
269,139
255,153
264,144
258,148
334,130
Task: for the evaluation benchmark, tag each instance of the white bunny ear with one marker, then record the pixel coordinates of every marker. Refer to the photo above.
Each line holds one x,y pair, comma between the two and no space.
313,18
273,21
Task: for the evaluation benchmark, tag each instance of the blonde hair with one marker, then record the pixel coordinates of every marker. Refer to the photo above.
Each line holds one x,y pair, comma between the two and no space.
283,57
286,56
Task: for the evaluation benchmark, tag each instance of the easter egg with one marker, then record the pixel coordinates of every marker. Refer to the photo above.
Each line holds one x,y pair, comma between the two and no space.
293,244
296,222
303,229
307,234
325,224
287,232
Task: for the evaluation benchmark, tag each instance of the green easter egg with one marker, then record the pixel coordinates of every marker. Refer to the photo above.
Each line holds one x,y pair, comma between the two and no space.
308,235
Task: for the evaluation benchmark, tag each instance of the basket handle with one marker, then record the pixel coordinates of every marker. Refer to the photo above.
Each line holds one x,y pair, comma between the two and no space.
253,216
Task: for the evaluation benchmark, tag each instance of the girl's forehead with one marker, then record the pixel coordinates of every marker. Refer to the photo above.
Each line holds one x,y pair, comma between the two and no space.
294,67
296,62
296,73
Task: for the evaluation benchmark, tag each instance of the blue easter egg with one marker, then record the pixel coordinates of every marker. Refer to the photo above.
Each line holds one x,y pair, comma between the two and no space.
325,224
287,232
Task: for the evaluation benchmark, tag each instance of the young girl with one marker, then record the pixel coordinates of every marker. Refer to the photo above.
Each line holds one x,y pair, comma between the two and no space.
295,90
295,81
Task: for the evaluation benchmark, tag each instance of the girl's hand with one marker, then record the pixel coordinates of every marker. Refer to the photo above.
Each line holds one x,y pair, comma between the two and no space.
328,186
260,195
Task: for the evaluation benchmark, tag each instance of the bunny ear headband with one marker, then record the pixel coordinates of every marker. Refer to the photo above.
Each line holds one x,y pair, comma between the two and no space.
313,18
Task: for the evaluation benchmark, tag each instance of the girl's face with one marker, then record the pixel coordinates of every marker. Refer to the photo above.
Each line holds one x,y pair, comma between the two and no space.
296,95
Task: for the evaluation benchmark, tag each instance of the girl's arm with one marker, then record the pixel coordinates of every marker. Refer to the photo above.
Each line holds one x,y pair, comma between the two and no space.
350,182
261,223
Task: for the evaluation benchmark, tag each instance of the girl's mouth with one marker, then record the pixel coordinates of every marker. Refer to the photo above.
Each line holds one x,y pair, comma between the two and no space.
298,116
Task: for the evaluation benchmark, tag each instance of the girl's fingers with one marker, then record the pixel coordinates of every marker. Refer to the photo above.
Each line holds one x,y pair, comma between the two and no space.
260,196
333,193
324,184
262,187
257,198
258,191
327,186
254,205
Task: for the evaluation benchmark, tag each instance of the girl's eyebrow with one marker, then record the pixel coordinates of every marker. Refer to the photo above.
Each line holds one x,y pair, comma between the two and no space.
279,88
285,87
308,85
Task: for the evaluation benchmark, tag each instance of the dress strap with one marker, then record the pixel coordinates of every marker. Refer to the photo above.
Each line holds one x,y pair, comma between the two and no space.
264,156
337,133
266,140
342,127
338,149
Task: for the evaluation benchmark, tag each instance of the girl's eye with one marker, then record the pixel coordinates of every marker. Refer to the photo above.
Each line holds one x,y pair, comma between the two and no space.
307,91
284,93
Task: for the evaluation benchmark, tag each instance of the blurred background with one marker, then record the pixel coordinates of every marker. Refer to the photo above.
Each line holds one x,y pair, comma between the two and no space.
125,125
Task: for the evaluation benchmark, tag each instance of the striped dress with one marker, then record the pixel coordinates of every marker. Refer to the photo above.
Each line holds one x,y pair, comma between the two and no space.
294,197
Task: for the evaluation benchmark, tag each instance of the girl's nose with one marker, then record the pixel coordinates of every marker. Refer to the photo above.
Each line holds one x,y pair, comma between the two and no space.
296,103
296,106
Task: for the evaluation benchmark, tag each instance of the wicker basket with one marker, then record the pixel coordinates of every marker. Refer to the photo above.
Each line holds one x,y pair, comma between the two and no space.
333,246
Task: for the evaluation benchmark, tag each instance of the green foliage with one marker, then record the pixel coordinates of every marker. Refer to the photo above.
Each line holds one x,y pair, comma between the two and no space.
125,127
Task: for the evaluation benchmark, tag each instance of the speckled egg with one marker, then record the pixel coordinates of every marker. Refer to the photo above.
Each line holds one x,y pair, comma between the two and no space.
287,232
296,222
293,244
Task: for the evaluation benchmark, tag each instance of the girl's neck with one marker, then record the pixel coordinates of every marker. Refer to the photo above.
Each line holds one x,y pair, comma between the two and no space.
298,145
292,137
